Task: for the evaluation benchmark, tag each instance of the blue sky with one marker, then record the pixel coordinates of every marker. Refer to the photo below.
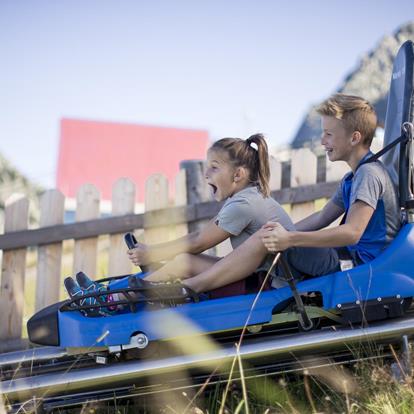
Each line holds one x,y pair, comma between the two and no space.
232,67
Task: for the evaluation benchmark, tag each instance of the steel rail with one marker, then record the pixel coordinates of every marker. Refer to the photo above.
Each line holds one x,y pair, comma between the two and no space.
75,400
31,355
131,372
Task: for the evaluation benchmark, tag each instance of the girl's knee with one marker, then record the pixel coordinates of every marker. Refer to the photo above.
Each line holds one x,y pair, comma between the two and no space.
255,243
182,258
182,262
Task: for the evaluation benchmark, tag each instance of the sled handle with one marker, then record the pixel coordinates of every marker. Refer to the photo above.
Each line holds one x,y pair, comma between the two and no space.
131,242
304,320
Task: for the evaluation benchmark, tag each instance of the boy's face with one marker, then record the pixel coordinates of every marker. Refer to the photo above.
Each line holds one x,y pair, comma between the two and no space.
335,139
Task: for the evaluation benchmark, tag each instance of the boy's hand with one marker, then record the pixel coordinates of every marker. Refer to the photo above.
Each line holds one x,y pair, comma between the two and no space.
275,237
139,255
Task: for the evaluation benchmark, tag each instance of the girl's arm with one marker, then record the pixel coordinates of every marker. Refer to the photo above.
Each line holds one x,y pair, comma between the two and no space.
193,243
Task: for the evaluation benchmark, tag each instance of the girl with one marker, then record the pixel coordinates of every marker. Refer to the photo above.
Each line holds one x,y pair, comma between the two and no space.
238,173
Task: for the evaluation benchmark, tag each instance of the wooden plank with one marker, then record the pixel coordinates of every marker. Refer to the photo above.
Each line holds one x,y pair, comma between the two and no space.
303,172
275,174
13,271
49,257
85,252
121,224
336,170
8,345
197,188
198,192
286,167
305,193
123,202
180,230
321,168
156,198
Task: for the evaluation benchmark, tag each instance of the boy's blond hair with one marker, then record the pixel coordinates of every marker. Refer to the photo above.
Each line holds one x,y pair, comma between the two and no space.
356,113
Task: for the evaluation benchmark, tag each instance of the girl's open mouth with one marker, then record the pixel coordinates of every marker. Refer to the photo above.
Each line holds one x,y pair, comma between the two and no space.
214,188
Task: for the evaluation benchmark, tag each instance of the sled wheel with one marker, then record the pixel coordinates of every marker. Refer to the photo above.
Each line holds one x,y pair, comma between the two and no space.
152,350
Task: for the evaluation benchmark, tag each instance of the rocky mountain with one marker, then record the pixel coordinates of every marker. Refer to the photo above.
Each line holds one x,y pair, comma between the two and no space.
370,79
12,182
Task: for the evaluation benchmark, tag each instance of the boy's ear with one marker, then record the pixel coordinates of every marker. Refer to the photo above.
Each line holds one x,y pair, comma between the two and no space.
356,138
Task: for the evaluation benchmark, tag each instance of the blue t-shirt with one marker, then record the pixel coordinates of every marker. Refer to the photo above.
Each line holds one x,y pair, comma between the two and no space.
372,185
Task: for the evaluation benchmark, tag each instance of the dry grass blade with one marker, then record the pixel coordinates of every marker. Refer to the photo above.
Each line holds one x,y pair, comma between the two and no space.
336,377
2,408
226,391
397,360
243,381
240,406
238,344
308,392
275,260
200,391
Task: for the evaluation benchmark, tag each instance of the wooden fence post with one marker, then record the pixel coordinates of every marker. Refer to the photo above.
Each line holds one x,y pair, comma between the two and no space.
87,208
123,202
180,230
198,192
275,174
156,198
197,188
303,172
49,258
336,170
13,271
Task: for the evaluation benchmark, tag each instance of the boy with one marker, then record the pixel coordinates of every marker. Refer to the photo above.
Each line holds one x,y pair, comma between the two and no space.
366,196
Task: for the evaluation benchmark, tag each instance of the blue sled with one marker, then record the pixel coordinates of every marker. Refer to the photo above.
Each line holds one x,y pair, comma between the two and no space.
377,290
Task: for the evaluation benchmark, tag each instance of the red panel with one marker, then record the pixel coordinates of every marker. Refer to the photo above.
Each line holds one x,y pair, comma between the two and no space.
101,152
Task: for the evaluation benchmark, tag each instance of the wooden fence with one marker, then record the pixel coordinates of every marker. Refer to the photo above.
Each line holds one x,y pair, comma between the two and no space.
163,220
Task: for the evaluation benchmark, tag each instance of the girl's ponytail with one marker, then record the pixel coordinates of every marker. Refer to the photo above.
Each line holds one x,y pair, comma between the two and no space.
257,143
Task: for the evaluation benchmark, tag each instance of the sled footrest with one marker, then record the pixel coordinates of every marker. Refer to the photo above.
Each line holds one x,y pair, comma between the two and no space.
374,310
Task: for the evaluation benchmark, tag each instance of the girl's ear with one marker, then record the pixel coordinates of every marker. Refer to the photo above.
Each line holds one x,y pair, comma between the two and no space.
239,174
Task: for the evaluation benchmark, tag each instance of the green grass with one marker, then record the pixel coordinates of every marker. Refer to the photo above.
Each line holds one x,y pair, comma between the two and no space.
366,387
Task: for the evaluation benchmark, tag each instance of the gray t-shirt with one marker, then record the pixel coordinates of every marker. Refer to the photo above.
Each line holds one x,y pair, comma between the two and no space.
246,212
372,185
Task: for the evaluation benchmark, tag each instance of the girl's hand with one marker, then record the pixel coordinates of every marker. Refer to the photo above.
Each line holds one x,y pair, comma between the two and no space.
139,255
275,237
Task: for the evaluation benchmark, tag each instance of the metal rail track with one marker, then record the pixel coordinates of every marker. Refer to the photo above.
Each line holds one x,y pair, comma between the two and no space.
196,382
264,351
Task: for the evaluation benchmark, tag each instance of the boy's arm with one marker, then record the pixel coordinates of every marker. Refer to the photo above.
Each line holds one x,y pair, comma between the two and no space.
316,221
194,243
277,238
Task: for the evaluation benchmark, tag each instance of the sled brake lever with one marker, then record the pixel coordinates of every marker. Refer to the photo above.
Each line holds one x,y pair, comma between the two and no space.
131,242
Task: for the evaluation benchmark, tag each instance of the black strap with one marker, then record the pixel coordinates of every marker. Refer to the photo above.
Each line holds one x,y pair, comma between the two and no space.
404,137
380,153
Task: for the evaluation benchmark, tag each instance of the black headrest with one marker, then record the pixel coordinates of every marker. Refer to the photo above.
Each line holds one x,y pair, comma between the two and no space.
400,109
